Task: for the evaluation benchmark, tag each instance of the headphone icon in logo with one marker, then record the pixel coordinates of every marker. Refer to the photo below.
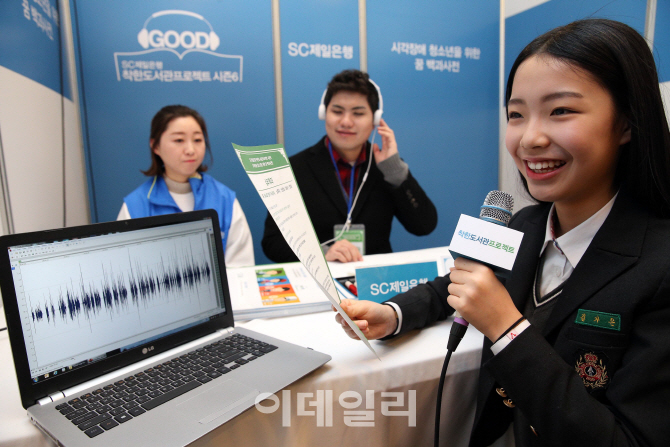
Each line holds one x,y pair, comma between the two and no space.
377,117
143,35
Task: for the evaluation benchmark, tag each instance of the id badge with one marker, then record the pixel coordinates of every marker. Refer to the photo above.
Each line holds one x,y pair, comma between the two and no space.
355,235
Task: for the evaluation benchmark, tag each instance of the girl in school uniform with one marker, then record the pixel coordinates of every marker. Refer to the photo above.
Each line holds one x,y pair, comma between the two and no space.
178,143
577,341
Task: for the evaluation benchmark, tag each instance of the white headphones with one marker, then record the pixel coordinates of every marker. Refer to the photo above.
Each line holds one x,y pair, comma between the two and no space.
376,119
143,35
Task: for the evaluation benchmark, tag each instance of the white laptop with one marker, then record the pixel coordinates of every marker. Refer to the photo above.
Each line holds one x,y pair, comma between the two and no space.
122,333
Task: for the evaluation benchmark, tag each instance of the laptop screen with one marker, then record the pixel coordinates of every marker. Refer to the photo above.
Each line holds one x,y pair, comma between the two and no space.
87,299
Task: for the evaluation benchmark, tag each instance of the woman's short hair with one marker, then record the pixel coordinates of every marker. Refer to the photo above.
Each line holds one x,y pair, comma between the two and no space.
353,81
159,124
619,58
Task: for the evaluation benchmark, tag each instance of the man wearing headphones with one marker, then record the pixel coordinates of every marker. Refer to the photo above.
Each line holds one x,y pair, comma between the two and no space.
352,189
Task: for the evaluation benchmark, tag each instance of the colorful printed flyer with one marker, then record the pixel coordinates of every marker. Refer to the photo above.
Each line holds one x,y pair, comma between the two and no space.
277,290
275,287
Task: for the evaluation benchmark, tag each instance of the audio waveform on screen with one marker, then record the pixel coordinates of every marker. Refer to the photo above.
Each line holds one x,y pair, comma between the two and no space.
114,293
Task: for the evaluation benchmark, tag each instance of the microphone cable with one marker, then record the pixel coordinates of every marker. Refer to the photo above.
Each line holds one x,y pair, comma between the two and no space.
455,336
439,398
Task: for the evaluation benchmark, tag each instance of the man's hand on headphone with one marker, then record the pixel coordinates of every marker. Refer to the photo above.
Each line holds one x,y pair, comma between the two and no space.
389,145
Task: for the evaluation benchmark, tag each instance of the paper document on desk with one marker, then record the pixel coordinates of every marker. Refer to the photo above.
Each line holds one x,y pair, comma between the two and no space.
276,290
271,174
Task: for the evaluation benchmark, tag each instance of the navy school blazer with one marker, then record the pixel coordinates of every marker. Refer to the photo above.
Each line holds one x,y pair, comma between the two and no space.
576,383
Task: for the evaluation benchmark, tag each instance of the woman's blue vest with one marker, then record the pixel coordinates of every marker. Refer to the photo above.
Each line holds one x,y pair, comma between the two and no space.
152,198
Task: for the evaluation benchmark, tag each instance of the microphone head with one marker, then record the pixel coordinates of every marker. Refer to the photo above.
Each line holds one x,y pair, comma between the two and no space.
497,208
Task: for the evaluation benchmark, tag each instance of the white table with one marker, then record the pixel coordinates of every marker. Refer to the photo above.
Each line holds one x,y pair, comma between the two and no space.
412,362
15,427
409,363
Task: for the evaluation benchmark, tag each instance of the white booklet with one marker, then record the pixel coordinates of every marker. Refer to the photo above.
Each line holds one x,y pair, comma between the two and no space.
271,174
275,290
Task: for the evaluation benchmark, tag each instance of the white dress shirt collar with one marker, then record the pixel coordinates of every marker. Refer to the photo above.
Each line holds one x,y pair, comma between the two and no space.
574,243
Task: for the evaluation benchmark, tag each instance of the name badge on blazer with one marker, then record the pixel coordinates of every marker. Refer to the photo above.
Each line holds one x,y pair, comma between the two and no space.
599,319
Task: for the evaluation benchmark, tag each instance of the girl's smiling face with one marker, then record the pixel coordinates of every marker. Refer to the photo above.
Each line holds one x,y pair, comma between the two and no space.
563,133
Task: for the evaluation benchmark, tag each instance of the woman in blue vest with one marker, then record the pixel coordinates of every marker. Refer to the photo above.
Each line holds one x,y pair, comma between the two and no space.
178,143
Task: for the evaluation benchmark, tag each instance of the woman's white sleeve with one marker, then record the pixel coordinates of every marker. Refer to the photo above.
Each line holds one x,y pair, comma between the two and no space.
239,246
123,214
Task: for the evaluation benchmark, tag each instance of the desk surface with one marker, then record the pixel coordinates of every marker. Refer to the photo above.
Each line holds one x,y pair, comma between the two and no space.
410,362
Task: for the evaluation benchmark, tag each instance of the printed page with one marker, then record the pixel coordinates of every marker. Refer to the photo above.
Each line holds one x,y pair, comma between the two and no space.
267,286
271,174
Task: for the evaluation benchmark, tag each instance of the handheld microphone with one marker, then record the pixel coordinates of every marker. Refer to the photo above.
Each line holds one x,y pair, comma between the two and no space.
485,246
497,209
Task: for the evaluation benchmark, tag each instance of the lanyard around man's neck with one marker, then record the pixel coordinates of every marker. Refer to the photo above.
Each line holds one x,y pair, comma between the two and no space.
339,179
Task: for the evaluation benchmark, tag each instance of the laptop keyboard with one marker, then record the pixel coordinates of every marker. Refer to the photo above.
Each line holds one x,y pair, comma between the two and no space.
107,407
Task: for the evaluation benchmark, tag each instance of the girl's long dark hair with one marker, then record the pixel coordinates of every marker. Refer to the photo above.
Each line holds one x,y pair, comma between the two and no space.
619,59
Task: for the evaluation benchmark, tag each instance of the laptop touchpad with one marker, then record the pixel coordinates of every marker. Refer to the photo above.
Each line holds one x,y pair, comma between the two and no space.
215,402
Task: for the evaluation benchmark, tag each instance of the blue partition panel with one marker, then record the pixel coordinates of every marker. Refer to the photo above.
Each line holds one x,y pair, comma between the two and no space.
437,65
136,57
524,27
318,39
662,40
30,41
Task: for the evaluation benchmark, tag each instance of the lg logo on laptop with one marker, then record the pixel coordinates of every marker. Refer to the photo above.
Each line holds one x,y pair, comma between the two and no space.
149,349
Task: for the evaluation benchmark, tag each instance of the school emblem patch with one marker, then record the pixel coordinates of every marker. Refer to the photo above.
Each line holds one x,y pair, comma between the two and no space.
592,371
